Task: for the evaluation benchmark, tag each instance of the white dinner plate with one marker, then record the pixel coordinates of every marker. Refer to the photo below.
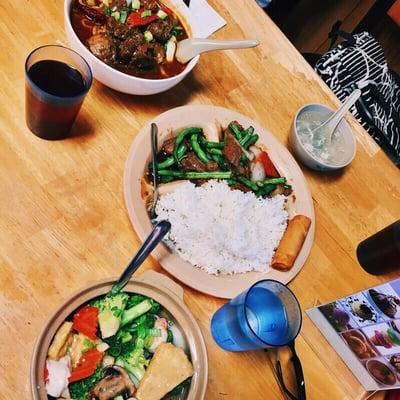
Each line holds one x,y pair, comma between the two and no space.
225,286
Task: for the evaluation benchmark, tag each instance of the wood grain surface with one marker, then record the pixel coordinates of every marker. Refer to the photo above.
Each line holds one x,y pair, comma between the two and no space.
64,223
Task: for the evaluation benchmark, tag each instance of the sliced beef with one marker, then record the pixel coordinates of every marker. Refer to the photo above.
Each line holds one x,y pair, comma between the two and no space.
161,29
168,146
128,46
103,47
241,187
150,5
232,150
191,163
212,166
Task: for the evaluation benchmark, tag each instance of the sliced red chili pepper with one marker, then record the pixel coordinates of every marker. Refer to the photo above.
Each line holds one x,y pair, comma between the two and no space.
136,19
85,321
86,366
269,167
92,14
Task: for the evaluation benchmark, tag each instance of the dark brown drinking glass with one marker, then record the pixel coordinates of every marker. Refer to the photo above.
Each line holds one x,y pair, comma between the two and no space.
57,80
380,253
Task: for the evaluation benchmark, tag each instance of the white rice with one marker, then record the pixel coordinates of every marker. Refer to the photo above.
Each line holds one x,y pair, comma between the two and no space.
222,230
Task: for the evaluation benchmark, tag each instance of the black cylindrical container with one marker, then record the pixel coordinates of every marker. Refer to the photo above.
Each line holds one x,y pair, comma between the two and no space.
380,253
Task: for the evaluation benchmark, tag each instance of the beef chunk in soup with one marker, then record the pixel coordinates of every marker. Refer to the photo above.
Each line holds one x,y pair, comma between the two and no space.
143,57
118,5
159,52
103,47
150,5
147,55
127,47
232,150
161,29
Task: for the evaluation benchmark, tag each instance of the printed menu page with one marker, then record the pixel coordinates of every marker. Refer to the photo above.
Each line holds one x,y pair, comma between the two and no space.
364,329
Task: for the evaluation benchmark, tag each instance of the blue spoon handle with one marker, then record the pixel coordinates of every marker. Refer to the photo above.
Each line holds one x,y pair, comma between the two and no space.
155,237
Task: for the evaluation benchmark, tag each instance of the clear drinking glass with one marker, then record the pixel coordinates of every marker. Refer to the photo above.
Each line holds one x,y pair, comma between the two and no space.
57,80
266,315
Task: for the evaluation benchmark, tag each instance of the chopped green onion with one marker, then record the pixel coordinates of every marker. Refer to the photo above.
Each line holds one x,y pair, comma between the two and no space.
148,36
123,16
161,14
136,4
145,14
116,15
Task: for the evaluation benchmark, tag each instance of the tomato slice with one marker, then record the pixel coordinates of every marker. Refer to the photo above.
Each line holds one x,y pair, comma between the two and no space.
135,18
86,366
85,321
269,167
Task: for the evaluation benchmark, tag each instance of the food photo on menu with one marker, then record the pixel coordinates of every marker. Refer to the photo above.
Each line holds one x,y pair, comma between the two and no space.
364,329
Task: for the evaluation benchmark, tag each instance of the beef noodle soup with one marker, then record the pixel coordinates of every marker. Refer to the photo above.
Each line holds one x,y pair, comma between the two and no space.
137,37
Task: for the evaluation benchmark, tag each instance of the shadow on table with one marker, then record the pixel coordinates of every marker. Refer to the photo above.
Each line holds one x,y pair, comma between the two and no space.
175,97
83,126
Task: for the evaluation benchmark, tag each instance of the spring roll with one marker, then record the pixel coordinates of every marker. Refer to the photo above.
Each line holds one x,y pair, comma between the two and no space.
291,243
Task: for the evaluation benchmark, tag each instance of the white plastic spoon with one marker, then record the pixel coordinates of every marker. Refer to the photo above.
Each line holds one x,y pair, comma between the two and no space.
326,130
188,48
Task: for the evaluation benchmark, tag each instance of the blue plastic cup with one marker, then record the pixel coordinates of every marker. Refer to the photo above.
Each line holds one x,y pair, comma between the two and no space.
266,315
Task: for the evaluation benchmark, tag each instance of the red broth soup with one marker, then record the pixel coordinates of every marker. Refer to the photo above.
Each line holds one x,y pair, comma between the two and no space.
134,37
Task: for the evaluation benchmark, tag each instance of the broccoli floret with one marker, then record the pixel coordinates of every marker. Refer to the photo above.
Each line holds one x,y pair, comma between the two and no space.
120,344
111,309
136,311
135,363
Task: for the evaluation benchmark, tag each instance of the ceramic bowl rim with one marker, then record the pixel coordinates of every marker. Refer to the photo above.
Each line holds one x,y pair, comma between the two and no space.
121,75
315,159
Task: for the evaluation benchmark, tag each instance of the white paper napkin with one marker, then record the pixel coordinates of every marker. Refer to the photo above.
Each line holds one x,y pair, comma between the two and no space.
207,19
211,21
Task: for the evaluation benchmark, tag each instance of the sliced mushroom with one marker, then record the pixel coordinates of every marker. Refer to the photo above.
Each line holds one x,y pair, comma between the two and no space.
115,381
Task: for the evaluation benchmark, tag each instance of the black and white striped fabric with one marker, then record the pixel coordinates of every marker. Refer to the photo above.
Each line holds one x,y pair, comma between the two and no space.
360,63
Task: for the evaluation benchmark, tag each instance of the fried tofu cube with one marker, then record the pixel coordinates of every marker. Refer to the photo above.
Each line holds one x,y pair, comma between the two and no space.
168,368
61,341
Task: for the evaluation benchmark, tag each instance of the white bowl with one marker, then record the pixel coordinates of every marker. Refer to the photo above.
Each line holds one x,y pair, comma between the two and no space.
123,82
307,158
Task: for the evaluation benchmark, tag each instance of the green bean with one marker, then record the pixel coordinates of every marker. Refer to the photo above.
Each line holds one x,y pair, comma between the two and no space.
252,185
171,160
274,181
235,130
266,189
196,175
249,142
220,160
247,135
179,139
215,151
197,149
232,181
166,179
215,145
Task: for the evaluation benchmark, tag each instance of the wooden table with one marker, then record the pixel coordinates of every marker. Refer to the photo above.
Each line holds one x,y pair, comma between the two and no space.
64,223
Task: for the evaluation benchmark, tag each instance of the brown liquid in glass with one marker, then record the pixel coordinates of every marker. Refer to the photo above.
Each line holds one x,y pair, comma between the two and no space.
45,118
